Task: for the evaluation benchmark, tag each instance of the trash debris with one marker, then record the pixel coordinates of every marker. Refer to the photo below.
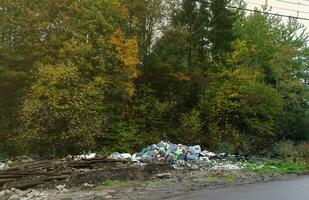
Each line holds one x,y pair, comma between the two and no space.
120,156
166,151
207,154
14,162
15,194
2,166
225,166
85,156
87,185
164,176
60,187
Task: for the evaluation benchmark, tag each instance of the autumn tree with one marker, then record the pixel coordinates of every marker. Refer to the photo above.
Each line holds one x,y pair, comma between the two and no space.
87,77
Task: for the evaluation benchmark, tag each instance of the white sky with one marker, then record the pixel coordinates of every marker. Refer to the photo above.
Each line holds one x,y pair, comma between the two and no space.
281,4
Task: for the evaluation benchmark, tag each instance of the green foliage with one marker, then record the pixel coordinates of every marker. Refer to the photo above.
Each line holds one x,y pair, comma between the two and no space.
190,127
225,148
2,157
122,137
152,116
75,51
221,34
241,111
118,75
280,54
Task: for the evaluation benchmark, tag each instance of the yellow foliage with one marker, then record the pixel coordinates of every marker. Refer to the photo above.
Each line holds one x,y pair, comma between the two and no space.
180,76
126,49
126,52
242,52
131,89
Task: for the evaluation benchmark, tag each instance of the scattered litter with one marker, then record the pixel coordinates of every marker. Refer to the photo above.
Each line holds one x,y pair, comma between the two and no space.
208,154
115,156
60,187
164,176
87,185
225,166
120,156
85,156
16,194
126,155
135,158
2,166
108,197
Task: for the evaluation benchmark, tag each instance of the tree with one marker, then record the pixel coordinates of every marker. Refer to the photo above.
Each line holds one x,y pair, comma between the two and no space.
147,16
69,91
281,57
239,109
20,46
89,75
62,113
222,34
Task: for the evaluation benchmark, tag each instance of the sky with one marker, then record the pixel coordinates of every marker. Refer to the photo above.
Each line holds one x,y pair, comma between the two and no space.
285,7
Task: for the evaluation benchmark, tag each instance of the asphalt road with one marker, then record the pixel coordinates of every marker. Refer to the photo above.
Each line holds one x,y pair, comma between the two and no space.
296,189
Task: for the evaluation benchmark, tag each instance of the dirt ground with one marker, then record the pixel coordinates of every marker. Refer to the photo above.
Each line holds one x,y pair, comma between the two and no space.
154,182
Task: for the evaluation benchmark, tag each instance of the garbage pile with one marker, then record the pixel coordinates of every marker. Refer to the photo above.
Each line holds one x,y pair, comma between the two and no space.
166,151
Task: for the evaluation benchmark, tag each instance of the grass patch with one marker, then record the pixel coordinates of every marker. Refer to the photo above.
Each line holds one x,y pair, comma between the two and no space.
111,184
226,178
277,166
119,184
229,178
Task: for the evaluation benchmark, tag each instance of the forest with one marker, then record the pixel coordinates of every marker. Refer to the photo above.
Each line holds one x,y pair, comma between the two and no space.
116,75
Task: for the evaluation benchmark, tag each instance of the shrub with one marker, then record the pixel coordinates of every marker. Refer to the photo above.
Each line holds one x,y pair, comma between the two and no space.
63,114
285,149
225,148
241,107
152,117
303,149
289,149
122,137
190,130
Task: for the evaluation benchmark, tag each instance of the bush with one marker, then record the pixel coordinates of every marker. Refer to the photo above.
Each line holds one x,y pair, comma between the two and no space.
225,148
285,149
240,106
63,114
123,137
190,130
303,149
152,117
289,149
